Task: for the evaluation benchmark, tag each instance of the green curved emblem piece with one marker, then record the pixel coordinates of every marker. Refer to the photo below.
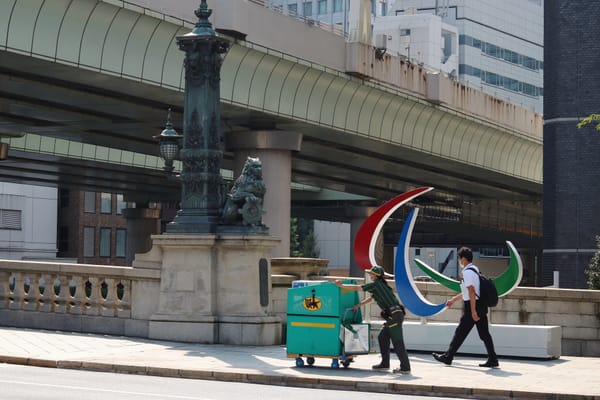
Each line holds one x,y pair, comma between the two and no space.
504,283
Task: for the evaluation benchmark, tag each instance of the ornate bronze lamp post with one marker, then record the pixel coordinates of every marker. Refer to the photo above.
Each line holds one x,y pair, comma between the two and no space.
200,155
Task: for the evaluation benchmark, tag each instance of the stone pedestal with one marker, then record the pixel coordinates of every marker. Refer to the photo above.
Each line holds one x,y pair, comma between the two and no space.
214,289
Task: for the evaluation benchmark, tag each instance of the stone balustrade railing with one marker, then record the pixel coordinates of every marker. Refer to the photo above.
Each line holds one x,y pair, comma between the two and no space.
80,297
122,300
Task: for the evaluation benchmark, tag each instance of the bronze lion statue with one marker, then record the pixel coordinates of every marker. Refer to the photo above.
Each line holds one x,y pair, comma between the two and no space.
243,204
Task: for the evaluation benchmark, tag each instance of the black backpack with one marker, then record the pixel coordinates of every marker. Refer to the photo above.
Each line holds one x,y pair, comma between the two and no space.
488,294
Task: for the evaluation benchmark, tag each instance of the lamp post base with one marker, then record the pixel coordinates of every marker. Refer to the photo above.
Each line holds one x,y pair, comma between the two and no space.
214,289
189,222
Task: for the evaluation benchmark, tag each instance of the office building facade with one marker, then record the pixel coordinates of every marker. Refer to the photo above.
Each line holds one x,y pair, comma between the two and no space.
501,44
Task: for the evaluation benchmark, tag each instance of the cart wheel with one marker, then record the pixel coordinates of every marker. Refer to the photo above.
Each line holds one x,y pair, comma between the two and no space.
310,360
299,362
346,363
335,364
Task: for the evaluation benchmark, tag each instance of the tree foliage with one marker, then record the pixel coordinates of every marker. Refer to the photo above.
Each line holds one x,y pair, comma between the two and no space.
593,270
592,118
303,242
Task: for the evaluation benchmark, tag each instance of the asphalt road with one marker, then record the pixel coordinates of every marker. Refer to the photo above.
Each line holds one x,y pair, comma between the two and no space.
25,383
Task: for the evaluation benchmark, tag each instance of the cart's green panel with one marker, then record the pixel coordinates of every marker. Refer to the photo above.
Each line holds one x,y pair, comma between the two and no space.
314,336
324,299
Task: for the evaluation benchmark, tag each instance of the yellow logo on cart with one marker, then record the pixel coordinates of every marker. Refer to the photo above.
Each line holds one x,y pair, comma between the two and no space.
312,303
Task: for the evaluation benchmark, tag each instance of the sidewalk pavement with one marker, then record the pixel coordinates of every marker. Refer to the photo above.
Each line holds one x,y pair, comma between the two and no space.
563,378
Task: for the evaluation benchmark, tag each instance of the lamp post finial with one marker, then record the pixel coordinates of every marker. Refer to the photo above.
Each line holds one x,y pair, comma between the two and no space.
203,12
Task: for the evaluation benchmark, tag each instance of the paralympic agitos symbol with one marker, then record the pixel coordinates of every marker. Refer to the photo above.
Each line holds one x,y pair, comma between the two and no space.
411,297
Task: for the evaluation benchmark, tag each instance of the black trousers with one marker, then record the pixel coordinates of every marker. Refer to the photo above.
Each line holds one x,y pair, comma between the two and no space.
392,331
464,327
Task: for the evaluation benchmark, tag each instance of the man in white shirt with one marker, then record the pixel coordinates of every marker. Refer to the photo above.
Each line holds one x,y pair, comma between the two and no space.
474,313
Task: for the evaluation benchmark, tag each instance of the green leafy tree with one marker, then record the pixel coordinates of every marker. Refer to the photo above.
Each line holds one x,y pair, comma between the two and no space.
592,118
593,270
303,242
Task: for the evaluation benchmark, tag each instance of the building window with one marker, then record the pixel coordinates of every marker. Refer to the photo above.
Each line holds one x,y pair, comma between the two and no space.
404,32
65,195
120,204
501,53
89,202
10,219
293,8
121,242
322,7
105,242
105,203
337,5
63,239
89,241
501,81
307,9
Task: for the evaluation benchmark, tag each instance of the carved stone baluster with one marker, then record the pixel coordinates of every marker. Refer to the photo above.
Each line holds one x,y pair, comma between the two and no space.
76,300
124,303
109,308
32,295
4,290
46,299
17,292
93,301
60,289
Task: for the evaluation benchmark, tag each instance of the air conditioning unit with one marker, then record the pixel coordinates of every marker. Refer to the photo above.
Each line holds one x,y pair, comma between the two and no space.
381,41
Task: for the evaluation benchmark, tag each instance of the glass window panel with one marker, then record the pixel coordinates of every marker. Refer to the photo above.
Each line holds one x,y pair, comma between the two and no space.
105,203
89,202
337,5
89,237
322,7
105,242
120,242
307,9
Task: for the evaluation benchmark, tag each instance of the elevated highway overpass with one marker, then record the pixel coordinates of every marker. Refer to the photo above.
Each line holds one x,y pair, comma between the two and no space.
84,85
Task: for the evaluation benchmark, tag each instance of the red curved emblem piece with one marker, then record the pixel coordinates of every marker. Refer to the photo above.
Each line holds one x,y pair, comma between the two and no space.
366,237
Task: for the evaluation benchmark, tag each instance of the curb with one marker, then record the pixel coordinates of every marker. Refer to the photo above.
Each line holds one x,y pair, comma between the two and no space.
293,381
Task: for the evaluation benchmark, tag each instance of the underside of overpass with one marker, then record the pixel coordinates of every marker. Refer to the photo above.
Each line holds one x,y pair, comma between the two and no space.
73,126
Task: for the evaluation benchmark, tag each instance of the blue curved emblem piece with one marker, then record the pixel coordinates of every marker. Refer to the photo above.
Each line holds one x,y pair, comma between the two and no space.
408,292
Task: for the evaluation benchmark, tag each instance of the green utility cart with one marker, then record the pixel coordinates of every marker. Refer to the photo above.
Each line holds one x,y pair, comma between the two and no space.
321,323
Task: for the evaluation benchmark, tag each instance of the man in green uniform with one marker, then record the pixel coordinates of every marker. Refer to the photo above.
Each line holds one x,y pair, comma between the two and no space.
393,314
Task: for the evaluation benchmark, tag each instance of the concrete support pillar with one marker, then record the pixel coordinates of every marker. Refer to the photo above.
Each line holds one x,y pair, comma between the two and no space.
141,224
274,149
